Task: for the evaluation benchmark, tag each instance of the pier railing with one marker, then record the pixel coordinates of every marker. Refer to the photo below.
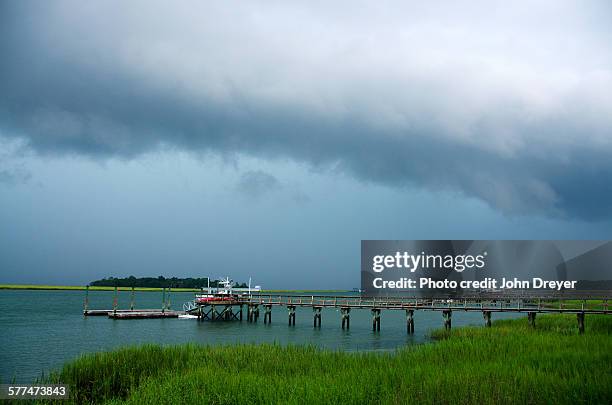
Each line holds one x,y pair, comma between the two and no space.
591,301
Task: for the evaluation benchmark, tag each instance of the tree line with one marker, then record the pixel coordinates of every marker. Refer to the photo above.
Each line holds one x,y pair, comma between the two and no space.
160,282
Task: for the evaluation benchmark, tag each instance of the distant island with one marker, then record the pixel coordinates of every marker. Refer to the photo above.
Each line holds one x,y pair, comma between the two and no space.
160,282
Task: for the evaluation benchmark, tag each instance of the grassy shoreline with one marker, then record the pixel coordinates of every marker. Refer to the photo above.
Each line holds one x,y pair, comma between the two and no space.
145,289
507,363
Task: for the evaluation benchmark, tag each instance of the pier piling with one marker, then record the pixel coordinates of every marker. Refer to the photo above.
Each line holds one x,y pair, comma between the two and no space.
346,318
253,312
213,313
376,319
317,316
115,302
86,303
410,321
531,317
291,309
580,316
268,314
132,299
448,316
487,317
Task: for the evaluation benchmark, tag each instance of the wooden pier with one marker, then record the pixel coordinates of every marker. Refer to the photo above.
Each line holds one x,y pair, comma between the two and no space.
579,303
493,303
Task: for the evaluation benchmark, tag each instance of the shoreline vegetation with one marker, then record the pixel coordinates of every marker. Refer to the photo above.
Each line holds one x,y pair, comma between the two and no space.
510,362
157,289
162,282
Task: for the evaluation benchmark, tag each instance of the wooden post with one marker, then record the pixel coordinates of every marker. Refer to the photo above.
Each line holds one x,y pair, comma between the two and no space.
531,317
268,314
487,317
410,321
86,303
376,319
132,300
168,298
580,316
447,315
317,316
115,301
163,300
250,312
346,318
291,309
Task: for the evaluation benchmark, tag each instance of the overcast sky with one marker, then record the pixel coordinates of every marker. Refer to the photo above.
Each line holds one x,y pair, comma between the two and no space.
266,139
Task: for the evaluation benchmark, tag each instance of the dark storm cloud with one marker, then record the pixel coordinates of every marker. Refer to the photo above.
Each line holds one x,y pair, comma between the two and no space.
505,105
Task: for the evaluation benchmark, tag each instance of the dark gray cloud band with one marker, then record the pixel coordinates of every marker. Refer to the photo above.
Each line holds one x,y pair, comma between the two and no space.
408,95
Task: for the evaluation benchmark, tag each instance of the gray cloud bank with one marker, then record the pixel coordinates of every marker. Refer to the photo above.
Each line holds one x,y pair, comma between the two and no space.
506,102
257,183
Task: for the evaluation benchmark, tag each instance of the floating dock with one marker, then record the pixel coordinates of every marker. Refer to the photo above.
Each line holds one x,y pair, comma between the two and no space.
144,314
124,313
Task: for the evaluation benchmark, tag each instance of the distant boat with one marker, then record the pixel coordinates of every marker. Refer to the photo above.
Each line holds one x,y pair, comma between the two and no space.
222,295
225,294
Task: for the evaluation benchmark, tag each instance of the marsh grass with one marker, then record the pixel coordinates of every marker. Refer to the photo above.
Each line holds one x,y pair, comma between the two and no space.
507,363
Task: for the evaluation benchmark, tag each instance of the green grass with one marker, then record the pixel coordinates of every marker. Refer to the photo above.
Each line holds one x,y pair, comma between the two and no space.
575,304
508,363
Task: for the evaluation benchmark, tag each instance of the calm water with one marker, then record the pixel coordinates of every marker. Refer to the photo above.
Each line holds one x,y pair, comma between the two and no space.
40,330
